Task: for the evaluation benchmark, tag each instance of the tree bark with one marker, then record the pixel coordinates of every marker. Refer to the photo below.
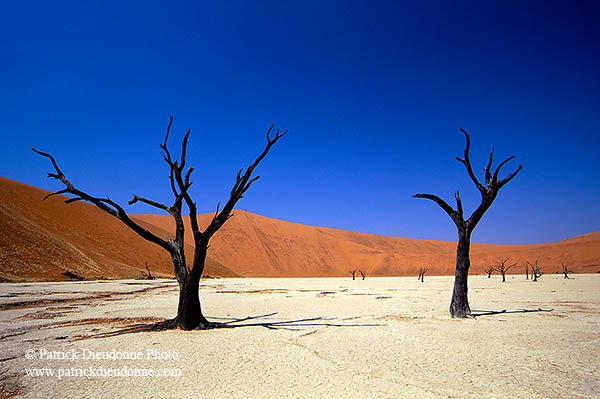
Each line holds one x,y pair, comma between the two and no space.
459,305
189,311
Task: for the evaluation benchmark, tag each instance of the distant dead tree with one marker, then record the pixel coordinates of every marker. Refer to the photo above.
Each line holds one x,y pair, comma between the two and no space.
362,274
459,305
189,313
422,271
490,270
535,270
502,267
565,270
538,271
527,270
149,275
353,274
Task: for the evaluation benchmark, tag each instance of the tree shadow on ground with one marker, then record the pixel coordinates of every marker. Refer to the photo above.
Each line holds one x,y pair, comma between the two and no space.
478,313
289,325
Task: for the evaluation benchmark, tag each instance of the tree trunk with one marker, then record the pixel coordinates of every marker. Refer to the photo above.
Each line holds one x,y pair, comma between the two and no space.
459,306
503,277
189,311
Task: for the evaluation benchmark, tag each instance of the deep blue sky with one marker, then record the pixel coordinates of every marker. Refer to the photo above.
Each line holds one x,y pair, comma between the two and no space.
373,94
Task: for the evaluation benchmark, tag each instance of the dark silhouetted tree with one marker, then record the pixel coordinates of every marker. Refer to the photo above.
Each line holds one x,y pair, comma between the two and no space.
422,271
147,276
502,267
526,271
490,270
565,270
535,270
189,313
353,272
459,305
362,274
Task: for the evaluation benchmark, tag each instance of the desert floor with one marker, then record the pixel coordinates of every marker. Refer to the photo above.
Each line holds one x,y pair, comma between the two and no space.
308,338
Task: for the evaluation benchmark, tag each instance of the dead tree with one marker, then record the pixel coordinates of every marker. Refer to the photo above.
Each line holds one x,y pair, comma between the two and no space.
565,270
353,274
490,270
422,271
526,270
502,267
535,270
150,276
459,305
362,274
189,313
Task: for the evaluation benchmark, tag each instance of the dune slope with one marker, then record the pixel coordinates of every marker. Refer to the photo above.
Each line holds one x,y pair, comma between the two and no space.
41,240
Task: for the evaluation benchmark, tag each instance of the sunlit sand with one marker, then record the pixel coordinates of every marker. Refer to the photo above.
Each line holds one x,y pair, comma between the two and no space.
321,337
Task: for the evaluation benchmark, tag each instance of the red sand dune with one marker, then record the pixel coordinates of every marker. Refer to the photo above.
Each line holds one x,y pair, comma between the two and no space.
256,246
41,240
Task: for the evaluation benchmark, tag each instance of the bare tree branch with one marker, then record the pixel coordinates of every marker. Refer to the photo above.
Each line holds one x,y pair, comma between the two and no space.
187,177
241,185
488,169
183,188
465,161
495,179
458,204
149,202
454,215
184,148
55,193
509,177
104,204
167,157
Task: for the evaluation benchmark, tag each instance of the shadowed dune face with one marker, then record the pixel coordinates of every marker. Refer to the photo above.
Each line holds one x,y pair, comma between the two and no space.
40,240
